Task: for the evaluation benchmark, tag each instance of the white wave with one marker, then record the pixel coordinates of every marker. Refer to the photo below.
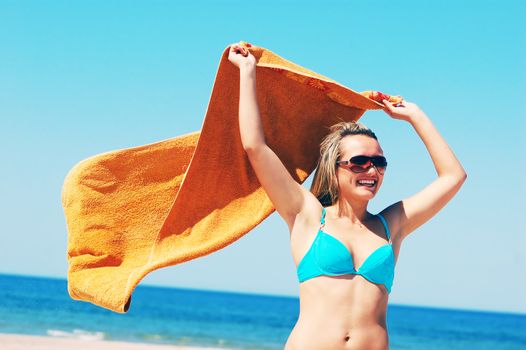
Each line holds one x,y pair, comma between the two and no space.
155,337
77,334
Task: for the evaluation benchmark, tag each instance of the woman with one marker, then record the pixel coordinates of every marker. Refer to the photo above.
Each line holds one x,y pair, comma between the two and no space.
345,255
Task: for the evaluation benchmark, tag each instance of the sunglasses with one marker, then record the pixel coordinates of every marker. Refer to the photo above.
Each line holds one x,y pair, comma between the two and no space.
360,164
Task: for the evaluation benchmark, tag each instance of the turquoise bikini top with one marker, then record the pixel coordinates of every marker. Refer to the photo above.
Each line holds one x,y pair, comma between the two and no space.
328,256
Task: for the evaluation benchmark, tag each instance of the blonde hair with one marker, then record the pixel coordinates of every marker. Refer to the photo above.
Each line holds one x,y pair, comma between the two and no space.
325,183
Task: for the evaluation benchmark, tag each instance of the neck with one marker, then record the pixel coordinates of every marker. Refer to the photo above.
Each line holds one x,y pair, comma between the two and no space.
355,211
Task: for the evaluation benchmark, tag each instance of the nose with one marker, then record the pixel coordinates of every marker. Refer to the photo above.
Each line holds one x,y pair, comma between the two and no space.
371,172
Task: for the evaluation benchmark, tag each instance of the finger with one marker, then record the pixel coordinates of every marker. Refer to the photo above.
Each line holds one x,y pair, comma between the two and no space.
387,104
236,52
389,109
244,50
240,49
237,48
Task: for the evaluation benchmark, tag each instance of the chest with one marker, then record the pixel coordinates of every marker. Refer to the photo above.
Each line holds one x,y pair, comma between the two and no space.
340,245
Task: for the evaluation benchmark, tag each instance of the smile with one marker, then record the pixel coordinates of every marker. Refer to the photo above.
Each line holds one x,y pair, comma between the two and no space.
367,183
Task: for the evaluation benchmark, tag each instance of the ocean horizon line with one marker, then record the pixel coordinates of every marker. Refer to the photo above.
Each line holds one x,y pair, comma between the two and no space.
271,295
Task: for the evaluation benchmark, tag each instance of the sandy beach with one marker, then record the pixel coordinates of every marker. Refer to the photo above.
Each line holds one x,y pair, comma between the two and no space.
30,342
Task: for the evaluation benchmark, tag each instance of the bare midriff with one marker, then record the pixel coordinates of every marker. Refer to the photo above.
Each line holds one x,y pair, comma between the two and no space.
340,312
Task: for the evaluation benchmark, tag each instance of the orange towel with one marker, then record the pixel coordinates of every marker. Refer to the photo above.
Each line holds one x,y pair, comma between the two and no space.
135,210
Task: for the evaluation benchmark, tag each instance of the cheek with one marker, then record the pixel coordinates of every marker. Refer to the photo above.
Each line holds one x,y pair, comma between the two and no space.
345,178
347,182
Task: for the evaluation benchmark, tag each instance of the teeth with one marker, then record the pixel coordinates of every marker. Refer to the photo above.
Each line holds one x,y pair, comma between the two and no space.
366,181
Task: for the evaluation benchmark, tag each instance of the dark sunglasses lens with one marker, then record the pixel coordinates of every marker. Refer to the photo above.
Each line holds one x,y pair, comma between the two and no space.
363,160
379,161
360,160
360,164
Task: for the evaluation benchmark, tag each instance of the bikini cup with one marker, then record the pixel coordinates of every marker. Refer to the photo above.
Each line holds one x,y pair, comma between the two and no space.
329,256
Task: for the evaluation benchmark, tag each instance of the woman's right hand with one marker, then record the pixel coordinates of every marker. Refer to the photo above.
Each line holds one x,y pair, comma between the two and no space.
241,57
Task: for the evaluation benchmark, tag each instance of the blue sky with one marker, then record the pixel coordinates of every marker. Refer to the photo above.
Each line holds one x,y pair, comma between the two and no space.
82,78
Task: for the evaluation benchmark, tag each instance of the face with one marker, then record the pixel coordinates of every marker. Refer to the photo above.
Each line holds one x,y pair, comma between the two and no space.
355,145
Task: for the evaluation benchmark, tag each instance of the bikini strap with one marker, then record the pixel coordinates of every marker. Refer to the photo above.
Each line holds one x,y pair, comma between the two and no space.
385,225
322,221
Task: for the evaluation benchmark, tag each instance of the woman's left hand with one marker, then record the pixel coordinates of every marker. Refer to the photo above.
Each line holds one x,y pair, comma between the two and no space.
403,111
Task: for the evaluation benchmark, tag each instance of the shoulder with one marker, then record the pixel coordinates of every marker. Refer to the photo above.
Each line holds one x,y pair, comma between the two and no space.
392,215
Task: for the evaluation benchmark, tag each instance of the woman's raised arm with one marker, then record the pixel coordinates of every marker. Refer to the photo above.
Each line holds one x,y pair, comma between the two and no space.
414,211
287,195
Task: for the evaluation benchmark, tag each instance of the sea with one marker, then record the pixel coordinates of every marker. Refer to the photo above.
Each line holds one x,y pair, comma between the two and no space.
179,316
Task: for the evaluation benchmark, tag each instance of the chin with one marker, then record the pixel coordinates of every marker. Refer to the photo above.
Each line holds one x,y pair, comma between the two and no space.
368,194
363,197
